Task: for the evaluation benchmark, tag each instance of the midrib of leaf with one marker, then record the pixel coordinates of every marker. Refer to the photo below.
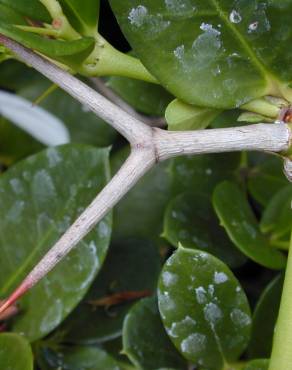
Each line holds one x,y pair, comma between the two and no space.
261,67
42,241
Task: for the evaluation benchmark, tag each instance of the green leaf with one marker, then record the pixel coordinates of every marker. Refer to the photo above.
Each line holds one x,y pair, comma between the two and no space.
15,75
77,358
257,365
145,341
203,308
83,125
236,216
190,220
30,8
40,198
15,352
132,265
140,212
264,319
202,172
56,49
266,179
9,15
277,216
181,116
83,15
211,53
15,143
144,97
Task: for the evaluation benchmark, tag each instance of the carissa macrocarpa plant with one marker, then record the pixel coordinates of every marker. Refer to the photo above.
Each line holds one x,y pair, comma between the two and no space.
188,271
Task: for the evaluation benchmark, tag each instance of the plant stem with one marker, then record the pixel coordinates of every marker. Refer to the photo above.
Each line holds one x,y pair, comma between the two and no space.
105,60
281,358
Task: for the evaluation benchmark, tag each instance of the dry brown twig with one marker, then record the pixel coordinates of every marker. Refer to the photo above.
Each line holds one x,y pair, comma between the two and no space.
149,145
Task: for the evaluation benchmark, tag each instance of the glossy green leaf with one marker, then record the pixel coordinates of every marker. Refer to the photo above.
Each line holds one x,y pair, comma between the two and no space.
9,15
264,319
83,15
144,97
14,75
239,221
211,53
181,116
40,197
202,172
145,341
77,358
15,144
257,365
83,125
55,49
277,217
140,212
132,265
266,179
30,8
203,308
190,220
15,352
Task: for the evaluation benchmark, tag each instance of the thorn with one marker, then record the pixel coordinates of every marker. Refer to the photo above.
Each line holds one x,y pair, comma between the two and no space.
19,292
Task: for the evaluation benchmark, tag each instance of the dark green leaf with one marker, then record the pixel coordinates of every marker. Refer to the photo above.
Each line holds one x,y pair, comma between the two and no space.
15,143
15,352
264,319
204,309
15,75
266,179
277,217
83,15
140,212
145,341
236,216
30,8
257,365
83,125
202,172
132,266
181,116
56,49
144,97
77,358
9,15
40,197
191,221
211,53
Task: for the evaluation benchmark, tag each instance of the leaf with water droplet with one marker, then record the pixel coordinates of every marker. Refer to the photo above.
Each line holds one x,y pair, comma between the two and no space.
202,172
190,220
211,53
203,308
40,198
153,349
264,319
240,223
15,352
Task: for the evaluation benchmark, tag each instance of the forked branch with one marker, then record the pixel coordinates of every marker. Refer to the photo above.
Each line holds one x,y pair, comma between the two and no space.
149,146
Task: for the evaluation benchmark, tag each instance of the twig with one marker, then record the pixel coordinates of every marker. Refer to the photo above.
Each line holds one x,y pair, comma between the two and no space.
149,146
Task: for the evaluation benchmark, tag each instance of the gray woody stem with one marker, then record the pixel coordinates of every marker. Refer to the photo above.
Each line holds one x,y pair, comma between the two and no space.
149,146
